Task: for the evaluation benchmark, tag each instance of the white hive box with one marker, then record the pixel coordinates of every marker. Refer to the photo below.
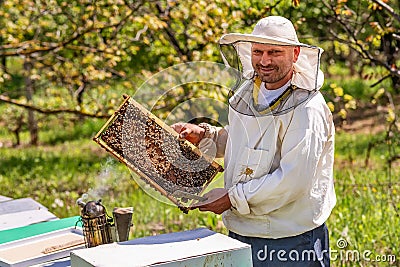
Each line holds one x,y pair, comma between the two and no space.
21,212
199,247
41,248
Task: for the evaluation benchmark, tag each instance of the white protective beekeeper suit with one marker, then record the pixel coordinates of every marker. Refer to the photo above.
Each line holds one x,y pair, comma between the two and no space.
278,156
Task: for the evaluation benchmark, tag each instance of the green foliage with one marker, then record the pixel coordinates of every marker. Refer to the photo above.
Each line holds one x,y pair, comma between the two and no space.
74,47
340,100
75,54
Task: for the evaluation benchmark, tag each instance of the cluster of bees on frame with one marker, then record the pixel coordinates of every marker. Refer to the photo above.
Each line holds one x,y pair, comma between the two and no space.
169,162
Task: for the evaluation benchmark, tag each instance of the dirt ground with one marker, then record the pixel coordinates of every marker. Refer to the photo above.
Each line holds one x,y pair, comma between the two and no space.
367,118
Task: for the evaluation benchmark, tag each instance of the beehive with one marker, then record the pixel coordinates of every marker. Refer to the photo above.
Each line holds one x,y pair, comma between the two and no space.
145,144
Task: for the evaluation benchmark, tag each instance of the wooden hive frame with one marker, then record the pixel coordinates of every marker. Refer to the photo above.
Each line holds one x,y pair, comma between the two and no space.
180,185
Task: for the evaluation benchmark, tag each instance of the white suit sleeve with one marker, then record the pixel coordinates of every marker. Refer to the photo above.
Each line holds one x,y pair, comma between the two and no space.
300,153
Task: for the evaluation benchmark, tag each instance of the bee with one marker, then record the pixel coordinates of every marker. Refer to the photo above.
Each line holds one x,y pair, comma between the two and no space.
146,146
247,172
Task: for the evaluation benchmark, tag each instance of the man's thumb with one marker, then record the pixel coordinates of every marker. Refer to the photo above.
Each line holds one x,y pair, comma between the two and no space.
184,133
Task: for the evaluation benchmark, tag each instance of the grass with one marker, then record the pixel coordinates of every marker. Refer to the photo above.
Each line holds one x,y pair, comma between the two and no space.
367,211
68,164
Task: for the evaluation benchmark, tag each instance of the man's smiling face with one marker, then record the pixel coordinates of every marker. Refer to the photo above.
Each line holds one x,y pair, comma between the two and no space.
273,63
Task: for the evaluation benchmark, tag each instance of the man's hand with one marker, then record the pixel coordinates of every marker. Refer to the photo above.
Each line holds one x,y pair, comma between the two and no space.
188,131
217,201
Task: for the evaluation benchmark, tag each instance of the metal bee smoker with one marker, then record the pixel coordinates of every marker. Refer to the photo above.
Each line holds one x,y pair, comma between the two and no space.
97,225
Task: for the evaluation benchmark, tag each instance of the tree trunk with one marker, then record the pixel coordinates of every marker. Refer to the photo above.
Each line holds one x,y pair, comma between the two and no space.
32,123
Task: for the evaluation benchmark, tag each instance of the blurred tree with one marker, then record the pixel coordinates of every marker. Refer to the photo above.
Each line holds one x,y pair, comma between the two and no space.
369,28
73,46
65,56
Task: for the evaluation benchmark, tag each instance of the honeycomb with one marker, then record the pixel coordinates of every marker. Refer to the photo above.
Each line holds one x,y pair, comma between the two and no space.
146,145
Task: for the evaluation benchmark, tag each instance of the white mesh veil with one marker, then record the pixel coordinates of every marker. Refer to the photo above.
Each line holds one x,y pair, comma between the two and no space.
274,30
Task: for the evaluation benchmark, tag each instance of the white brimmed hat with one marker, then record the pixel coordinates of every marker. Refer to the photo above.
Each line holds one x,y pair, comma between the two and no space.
275,30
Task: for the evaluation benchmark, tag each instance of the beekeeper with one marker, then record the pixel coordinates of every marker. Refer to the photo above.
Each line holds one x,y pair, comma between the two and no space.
278,148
